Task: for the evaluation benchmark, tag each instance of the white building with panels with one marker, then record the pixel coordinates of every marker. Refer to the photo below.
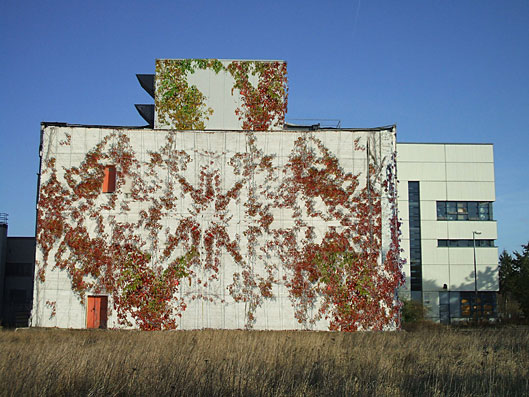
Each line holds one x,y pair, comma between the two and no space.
446,192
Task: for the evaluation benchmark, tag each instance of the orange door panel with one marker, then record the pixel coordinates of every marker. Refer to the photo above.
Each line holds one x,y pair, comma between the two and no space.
96,316
109,182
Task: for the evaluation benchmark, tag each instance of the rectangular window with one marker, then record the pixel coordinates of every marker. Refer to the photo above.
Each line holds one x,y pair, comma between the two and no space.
19,270
464,243
482,306
464,211
484,211
414,210
17,296
109,183
441,210
473,214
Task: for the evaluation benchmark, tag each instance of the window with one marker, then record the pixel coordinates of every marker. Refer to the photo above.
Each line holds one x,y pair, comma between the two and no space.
464,211
473,214
483,306
17,296
414,200
465,243
109,183
19,270
485,211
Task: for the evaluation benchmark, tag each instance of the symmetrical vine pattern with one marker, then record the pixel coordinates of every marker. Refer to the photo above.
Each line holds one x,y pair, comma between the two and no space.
231,226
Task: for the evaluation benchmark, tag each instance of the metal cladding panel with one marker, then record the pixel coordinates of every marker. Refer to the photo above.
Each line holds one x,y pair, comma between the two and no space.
470,172
469,153
420,153
425,171
264,230
463,229
462,278
470,191
435,276
212,94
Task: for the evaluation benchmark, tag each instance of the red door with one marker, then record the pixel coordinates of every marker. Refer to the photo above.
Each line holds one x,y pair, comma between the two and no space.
97,312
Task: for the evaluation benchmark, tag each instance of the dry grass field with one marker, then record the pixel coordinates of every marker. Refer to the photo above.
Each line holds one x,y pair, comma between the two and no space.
435,362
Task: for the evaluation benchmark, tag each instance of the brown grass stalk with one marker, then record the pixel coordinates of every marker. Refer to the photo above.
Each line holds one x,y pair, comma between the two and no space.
443,362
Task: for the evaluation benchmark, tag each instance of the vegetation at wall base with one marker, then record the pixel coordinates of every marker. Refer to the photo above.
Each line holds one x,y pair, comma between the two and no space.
492,362
412,311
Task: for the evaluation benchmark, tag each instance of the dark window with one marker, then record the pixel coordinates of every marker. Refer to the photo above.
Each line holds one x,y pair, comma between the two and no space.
465,243
19,270
482,307
17,296
473,213
414,199
441,210
484,211
464,211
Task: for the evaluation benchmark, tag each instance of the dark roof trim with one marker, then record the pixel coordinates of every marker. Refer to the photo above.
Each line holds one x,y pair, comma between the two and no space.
444,143
316,127
293,129
59,124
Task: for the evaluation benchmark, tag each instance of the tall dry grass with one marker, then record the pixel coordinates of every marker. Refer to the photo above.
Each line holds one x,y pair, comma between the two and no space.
241,363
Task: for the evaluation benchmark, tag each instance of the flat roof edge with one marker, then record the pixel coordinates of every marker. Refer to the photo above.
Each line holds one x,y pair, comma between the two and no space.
444,143
63,124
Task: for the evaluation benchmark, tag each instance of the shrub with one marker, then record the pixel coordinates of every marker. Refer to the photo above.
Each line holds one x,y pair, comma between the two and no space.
412,311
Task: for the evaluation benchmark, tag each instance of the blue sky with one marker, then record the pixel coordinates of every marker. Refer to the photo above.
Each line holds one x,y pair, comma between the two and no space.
443,71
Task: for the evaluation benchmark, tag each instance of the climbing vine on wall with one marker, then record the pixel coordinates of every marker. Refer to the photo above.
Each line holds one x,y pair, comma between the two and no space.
262,86
178,103
265,104
178,217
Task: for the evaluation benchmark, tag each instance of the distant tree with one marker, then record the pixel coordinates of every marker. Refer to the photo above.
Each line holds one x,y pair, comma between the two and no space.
514,277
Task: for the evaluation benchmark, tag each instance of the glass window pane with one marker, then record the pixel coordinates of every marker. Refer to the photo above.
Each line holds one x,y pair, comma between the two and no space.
473,211
451,207
462,207
441,210
465,308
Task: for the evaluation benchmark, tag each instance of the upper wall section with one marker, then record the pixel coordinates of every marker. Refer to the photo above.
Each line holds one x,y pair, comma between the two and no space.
212,94
448,171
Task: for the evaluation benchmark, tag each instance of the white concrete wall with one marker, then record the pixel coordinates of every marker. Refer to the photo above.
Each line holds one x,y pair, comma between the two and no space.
448,172
215,153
